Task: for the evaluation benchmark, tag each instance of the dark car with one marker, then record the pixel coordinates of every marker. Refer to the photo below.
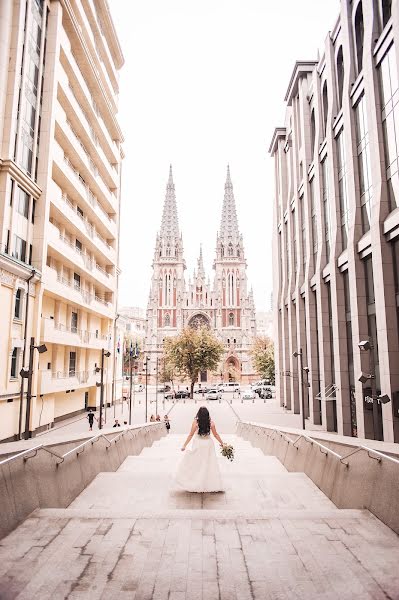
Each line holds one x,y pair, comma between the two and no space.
202,390
182,394
165,388
265,393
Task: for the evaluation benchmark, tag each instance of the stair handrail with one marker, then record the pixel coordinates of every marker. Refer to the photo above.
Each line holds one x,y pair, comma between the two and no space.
61,457
380,455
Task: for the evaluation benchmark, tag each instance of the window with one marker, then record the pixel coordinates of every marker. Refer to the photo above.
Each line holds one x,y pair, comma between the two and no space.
79,211
312,134
32,217
167,320
231,320
359,36
343,189
19,248
326,208
294,242
386,11
303,237
18,304
22,202
76,281
390,123
72,363
395,252
74,322
14,363
11,192
340,75
325,107
78,245
230,249
363,154
314,220
349,346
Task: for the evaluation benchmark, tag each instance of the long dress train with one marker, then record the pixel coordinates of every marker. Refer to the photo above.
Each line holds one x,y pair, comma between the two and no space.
198,470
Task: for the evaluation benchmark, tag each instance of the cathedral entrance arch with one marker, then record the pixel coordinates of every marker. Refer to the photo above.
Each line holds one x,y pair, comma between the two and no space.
199,320
232,369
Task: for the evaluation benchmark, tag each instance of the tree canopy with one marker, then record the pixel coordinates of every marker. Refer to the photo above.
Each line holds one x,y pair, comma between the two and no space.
262,353
193,351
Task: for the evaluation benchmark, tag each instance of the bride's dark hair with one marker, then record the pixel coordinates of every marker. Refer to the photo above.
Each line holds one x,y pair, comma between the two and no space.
204,421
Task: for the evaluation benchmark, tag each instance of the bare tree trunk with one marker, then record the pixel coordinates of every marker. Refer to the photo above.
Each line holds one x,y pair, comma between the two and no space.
192,390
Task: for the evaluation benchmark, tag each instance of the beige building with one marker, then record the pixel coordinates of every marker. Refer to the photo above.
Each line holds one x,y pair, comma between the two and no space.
336,228
60,159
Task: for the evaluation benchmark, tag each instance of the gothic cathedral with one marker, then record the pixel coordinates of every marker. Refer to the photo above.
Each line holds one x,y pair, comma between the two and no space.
226,307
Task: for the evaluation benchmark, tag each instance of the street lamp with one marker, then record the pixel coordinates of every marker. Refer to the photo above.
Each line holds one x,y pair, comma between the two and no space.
298,354
146,361
104,353
28,374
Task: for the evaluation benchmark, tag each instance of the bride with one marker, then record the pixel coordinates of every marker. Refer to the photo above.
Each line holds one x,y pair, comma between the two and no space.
199,470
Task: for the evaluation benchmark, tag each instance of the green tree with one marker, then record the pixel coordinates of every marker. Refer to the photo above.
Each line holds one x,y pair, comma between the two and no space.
262,353
193,351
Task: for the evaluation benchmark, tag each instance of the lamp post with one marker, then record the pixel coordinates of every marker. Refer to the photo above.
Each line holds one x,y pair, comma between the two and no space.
133,354
146,361
104,353
298,354
28,374
156,387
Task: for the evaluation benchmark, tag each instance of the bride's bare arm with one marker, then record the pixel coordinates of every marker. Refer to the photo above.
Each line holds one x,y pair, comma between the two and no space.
215,433
194,428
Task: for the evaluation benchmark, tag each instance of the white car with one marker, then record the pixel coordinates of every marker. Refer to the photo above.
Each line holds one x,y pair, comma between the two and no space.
214,395
248,395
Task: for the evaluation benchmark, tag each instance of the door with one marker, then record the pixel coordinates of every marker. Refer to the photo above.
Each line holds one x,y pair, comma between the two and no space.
86,400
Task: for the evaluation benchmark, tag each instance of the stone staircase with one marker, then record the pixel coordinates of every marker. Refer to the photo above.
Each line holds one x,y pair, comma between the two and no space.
132,534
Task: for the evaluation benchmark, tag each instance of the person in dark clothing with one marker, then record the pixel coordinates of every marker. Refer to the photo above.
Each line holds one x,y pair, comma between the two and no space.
116,424
167,423
91,417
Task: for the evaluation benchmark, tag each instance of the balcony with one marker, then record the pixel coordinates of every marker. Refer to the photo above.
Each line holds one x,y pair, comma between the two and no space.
63,288
67,249
51,382
68,98
58,333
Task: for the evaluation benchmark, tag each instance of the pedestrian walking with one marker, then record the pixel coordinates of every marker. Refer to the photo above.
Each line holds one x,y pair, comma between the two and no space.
152,419
158,418
91,416
167,423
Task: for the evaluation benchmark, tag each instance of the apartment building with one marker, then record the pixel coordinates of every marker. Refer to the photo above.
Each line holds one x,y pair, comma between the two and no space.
336,229
60,168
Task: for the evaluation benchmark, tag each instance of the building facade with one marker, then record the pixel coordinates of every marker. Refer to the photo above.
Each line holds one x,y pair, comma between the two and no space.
336,229
226,306
60,159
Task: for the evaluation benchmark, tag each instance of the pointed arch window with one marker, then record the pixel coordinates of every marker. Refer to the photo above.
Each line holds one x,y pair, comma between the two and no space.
340,75
231,319
230,249
222,250
359,36
238,251
167,320
168,250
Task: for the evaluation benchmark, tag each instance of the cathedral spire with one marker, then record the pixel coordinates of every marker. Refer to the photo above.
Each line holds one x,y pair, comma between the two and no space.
200,262
229,223
170,223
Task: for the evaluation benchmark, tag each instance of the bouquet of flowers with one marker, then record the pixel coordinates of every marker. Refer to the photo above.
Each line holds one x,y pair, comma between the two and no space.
228,452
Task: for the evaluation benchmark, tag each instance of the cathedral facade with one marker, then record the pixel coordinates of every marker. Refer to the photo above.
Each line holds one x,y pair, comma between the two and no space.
225,306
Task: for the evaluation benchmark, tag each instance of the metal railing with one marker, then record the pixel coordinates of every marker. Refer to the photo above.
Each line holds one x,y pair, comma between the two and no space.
77,449
325,449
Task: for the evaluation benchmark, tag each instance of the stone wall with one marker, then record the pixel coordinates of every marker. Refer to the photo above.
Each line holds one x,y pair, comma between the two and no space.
361,480
43,481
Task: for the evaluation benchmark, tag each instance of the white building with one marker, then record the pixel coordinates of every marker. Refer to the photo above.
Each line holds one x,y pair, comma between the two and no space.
60,163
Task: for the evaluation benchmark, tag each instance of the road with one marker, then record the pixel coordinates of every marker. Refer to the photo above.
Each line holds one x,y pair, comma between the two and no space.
224,413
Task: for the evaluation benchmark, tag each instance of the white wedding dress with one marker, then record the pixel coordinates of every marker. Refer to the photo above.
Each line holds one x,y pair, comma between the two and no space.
198,470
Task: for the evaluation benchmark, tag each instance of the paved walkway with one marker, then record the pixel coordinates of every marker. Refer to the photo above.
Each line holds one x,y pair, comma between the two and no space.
133,535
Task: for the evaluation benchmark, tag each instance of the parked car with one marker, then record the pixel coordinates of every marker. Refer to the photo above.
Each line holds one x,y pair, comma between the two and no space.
265,393
169,395
248,395
164,388
203,388
230,386
182,394
214,394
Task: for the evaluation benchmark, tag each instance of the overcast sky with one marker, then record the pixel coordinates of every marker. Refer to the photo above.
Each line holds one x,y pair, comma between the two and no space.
203,85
